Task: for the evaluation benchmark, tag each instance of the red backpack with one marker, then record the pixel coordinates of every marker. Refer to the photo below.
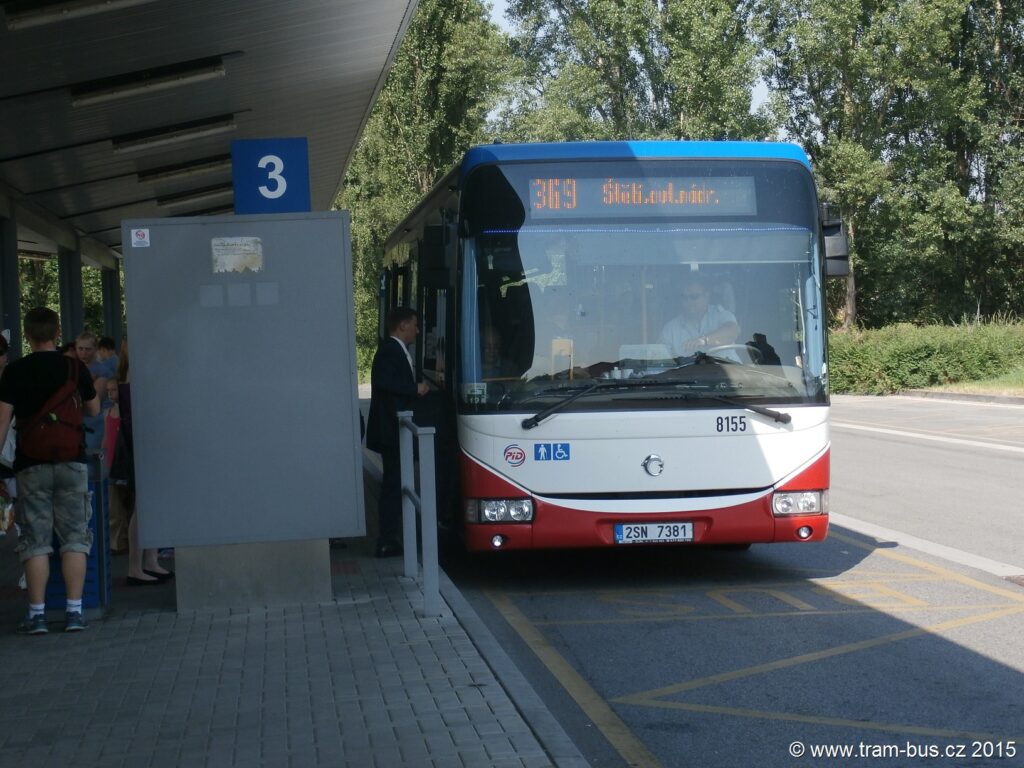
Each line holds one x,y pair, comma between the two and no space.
54,433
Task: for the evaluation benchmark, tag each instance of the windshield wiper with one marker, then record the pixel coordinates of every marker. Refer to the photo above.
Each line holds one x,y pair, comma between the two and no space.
779,416
704,394
538,417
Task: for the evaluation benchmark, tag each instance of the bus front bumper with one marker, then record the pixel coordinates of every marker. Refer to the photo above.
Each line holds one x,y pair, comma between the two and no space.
558,527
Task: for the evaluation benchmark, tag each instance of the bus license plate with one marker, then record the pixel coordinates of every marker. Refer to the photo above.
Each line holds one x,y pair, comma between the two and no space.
651,533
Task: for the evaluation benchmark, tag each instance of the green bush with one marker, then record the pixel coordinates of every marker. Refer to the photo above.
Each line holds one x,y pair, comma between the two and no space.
904,356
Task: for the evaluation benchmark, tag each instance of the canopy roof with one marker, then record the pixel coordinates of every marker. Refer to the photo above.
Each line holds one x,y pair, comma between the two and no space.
116,109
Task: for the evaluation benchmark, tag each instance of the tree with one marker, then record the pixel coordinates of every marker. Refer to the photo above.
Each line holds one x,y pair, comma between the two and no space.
992,46
633,69
40,287
905,107
910,110
434,105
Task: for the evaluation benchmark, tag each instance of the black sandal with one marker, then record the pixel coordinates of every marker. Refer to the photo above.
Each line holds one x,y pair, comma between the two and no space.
134,582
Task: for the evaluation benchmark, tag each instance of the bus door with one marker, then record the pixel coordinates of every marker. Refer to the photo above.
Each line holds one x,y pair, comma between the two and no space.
437,408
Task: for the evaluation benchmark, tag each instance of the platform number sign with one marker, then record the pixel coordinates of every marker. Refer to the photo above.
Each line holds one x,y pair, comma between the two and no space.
270,175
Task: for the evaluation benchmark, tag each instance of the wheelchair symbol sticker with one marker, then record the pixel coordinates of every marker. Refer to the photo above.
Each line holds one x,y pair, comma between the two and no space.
551,452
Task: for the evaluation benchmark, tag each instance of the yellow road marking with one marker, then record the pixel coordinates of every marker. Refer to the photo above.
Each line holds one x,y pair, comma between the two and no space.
871,594
719,596
859,577
700,617
645,603
819,720
1015,595
596,708
636,753
807,658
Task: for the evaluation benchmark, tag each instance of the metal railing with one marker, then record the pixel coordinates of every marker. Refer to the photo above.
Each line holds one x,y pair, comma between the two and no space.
411,502
424,502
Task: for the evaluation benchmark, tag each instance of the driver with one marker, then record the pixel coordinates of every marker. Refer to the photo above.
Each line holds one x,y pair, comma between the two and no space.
701,325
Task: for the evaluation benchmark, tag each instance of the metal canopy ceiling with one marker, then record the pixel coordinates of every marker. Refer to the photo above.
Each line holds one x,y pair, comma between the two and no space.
115,109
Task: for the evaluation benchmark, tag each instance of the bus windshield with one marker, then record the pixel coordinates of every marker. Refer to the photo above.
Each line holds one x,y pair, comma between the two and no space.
670,283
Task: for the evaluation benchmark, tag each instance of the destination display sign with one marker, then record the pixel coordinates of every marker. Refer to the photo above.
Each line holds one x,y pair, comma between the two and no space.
570,197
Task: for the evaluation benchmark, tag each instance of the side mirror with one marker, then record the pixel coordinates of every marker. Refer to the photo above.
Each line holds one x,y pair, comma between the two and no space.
837,247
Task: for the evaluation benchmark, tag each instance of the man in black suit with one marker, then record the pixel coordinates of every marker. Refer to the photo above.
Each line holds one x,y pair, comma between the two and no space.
393,388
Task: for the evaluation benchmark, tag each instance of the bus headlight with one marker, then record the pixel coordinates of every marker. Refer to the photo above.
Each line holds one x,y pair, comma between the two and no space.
520,510
800,503
499,510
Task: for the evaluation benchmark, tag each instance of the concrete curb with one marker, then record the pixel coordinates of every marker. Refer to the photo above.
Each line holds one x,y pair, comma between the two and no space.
953,555
963,396
535,713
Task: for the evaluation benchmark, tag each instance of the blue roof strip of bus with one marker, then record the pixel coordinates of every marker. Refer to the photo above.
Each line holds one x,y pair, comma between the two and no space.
632,150
563,229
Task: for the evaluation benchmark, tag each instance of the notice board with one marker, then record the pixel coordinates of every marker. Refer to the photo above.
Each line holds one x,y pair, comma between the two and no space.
244,389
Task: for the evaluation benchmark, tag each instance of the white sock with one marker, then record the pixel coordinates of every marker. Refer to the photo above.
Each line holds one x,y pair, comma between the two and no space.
36,610
74,606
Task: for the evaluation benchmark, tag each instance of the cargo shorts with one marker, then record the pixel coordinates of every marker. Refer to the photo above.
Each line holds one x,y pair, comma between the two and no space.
53,498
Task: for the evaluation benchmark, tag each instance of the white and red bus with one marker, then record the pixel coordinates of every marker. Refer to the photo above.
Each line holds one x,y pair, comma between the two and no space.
579,402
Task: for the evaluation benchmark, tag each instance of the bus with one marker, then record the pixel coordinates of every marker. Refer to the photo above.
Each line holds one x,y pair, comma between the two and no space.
580,398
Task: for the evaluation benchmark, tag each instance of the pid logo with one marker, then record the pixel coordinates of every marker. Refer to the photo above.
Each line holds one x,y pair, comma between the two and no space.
515,455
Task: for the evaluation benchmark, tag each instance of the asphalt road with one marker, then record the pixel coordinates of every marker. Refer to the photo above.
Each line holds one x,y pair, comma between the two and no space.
879,647
944,471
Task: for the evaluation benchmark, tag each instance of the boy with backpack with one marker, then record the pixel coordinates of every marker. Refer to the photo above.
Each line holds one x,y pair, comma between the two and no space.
48,393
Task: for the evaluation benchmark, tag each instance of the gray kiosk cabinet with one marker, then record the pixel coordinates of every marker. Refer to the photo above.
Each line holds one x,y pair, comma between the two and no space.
244,400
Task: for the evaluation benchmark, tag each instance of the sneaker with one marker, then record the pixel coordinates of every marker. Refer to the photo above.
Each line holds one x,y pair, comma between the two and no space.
74,622
33,625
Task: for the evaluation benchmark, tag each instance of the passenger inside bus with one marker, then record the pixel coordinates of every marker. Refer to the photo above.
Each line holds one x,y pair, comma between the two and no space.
493,356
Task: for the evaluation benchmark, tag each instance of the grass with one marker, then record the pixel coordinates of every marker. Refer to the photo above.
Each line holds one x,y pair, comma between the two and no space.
1009,384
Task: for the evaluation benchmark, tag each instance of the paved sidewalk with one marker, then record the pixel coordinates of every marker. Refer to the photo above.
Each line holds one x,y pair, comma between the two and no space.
360,681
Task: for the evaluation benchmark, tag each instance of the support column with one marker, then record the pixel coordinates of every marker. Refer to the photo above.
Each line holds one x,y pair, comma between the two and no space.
111,284
10,288
69,280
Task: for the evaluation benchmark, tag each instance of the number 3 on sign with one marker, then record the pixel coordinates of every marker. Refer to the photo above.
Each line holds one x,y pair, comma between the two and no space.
270,175
274,175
